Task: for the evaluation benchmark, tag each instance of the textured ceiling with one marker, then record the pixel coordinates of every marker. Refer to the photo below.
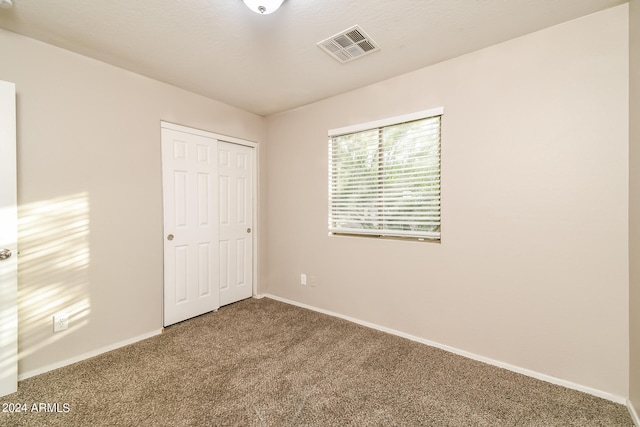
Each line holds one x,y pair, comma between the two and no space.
267,64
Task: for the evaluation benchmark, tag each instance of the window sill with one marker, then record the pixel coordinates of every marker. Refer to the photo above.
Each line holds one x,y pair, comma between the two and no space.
384,237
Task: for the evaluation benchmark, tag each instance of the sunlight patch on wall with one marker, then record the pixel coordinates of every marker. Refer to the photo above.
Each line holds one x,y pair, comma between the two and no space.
53,237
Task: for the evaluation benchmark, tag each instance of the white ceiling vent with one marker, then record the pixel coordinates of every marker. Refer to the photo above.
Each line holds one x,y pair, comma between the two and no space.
349,44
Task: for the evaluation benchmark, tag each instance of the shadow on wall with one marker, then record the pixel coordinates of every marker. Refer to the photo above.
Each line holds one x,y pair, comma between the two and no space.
53,237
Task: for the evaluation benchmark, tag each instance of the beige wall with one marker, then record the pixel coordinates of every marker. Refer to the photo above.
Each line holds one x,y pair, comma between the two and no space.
90,195
533,268
634,205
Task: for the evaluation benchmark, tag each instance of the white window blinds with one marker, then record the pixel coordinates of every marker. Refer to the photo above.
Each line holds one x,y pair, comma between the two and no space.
385,180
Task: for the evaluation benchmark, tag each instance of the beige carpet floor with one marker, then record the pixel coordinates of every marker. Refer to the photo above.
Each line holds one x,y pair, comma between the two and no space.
266,363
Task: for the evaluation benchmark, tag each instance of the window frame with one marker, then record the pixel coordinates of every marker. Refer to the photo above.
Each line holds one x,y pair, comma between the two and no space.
379,125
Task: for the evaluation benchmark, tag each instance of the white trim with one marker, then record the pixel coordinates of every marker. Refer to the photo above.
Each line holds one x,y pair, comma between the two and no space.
438,111
384,233
256,217
87,355
207,134
634,414
523,371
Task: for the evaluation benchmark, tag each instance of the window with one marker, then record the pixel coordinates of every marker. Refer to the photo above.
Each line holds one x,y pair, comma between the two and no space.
384,177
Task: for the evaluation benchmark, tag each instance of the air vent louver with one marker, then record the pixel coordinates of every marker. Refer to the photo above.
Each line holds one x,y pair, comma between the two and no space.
349,44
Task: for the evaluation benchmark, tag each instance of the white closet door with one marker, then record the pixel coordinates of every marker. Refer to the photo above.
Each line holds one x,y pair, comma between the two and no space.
190,190
235,177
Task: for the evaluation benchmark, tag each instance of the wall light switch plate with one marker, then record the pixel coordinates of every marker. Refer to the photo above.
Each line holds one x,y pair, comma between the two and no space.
303,279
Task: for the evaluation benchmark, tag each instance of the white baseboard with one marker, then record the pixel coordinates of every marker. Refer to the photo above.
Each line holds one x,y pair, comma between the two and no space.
42,370
633,413
519,370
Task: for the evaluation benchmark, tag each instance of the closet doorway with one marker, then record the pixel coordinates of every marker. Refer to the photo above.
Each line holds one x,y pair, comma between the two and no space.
209,233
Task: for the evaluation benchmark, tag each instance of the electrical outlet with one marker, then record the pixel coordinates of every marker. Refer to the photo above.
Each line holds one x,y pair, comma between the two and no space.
60,322
313,281
303,279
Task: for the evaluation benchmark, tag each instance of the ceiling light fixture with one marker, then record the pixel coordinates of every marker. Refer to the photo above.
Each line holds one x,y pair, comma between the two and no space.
263,7
6,4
